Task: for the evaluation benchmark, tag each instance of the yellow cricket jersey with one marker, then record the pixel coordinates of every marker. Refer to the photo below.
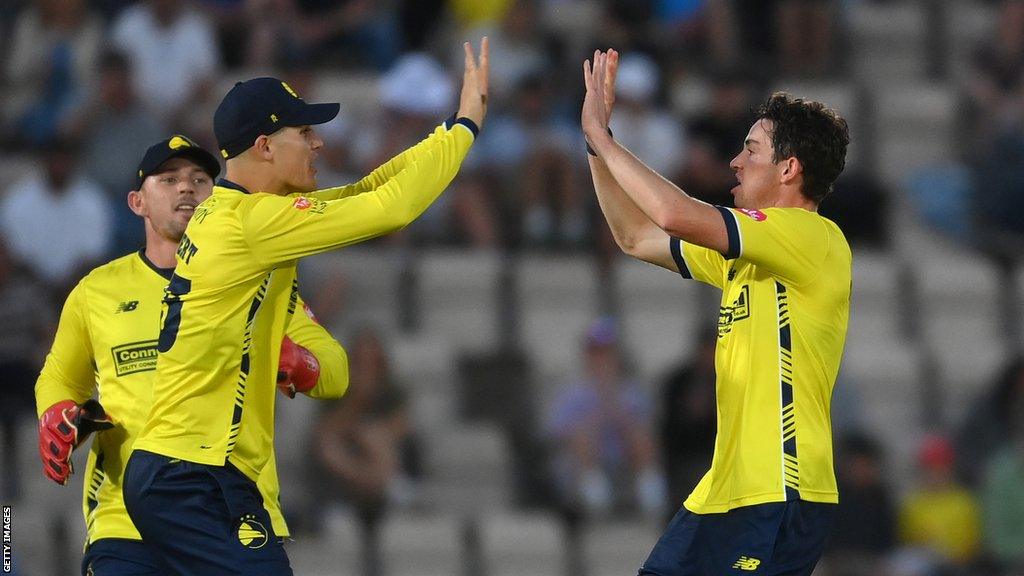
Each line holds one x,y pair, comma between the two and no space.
107,339
234,289
782,324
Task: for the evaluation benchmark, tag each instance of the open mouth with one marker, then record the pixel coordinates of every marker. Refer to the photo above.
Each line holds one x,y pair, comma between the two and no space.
190,208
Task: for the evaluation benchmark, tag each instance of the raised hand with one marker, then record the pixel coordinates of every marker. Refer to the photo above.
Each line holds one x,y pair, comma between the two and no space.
473,100
609,81
595,114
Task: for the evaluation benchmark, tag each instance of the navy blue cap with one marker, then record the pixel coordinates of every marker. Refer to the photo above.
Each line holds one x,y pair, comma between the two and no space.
262,106
176,146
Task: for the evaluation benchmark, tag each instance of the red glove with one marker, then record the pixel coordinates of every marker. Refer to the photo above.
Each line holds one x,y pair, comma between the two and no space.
63,427
297,370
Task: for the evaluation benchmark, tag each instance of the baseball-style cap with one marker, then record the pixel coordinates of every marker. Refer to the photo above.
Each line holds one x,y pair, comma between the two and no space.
176,146
262,106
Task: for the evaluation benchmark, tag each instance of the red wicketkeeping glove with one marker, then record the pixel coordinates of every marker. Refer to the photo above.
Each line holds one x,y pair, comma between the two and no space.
62,428
297,370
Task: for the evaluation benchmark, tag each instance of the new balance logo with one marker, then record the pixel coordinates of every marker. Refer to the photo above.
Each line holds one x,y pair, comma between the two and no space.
127,306
748,564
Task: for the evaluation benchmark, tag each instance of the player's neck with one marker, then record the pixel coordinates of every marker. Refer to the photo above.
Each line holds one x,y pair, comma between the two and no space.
159,250
792,197
254,177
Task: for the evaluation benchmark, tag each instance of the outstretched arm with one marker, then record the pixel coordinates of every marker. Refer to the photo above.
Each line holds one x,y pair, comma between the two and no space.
670,209
472,105
634,232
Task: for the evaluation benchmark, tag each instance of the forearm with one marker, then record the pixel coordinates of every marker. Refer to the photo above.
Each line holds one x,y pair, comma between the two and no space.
663,203
381,174
333,381
628,223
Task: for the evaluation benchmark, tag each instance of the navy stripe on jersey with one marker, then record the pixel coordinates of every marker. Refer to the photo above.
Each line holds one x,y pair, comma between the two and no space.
92,492
243,370
293,298
452,121
675,245
733,229
790,464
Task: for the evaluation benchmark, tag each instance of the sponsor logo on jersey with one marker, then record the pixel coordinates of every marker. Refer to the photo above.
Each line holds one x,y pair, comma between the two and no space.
755,214
740,309
134,357
127,306
747,563
302,203
251,533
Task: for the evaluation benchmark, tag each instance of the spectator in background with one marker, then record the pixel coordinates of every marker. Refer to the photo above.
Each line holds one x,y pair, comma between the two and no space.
1003,497
520,48
27,320
360,34
417,93
606,459
689,421
116,120
939,515
859,206
366,445
51,61
713,135
56,223
533,153
641,123
989,423
864,531
470,14
995,126
806,34
175,59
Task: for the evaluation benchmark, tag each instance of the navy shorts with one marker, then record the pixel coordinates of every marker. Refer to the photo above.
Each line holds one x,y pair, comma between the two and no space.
120,557
776,539
201,519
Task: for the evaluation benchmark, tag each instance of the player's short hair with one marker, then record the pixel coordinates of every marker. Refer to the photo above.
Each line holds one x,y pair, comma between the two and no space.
813,133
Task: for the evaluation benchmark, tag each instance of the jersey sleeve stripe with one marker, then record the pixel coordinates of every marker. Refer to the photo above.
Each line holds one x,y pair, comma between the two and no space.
675,245
733,228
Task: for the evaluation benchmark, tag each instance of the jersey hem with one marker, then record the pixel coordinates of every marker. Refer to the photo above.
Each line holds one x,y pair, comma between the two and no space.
766,498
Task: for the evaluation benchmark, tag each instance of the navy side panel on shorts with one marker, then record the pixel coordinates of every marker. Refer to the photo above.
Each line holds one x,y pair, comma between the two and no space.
120,557
777,539
201,519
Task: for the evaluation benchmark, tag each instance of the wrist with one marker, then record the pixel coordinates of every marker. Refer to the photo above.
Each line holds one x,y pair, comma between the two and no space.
588,139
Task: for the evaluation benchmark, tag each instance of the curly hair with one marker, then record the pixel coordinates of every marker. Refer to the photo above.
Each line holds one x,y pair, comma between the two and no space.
813,133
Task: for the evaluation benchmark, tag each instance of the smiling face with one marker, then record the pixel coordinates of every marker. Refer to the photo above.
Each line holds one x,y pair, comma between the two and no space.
294,150
759,177
169,196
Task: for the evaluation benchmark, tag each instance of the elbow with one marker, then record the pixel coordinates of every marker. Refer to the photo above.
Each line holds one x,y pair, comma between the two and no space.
335,380
673,223
629,244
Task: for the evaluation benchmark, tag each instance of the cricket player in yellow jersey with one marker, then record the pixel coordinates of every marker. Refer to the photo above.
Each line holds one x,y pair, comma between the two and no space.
190,482
766,505
107,340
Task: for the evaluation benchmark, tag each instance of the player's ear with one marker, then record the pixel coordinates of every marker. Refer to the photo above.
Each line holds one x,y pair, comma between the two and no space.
791,169
262,147
137,203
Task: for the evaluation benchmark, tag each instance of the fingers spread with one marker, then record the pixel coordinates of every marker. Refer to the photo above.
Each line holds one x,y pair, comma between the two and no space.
485,61
470,61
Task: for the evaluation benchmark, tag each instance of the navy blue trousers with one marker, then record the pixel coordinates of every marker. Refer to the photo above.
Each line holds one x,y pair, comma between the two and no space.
201,519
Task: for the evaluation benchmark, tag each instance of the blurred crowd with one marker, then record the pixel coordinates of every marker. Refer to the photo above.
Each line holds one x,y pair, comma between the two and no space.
87,85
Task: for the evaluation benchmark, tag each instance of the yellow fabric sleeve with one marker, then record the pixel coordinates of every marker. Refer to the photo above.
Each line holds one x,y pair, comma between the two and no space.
284,228
69,372
306,332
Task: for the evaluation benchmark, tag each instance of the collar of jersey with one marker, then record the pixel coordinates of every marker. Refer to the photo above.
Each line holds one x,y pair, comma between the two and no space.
165,272
225,183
